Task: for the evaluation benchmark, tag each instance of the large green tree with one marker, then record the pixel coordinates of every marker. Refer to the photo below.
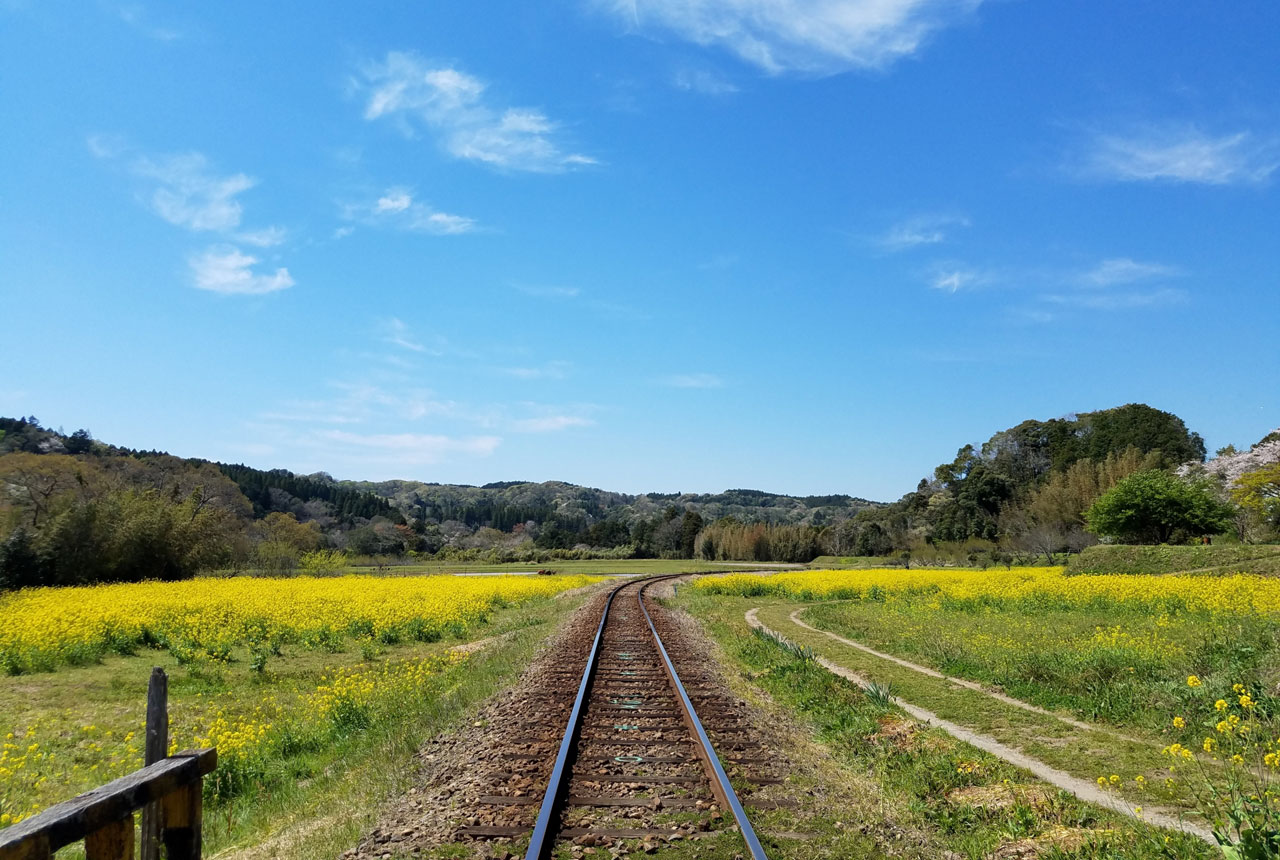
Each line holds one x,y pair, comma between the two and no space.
1155,507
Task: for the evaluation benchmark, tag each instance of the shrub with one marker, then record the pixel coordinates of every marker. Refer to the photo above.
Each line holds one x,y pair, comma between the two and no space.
1155,507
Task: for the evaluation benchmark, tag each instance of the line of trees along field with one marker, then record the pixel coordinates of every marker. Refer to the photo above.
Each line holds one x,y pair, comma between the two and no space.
75,510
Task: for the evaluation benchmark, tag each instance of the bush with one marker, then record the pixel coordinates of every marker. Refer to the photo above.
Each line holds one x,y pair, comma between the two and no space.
276,558
1157,507
323,561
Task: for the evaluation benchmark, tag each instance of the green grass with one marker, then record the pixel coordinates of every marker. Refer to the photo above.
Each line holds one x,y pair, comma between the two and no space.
914,776
854,562
1107,665
1147,560
1082,754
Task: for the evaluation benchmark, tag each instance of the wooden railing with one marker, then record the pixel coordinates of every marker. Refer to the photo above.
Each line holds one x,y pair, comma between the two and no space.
169,791
103,817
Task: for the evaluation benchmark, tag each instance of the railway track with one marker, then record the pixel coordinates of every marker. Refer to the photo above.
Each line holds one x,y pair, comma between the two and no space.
641,749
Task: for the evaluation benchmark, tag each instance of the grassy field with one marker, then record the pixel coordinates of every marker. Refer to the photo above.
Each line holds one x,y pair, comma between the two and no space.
926,785
1156,560
306,702
1112,648
1108,675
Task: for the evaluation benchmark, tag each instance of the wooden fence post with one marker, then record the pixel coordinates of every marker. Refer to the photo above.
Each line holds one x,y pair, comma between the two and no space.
183,821
156,748
113,842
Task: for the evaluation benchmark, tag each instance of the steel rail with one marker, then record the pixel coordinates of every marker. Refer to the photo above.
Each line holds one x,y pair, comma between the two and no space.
720,784
543,838
542,841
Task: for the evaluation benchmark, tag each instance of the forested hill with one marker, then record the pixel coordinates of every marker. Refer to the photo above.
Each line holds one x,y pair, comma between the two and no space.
504,504
1028,486
280,489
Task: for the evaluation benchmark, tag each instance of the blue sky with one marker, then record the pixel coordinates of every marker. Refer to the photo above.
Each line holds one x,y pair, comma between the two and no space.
808,247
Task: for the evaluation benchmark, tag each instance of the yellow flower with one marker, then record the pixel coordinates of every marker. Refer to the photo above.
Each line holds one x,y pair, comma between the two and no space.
1193,681
1209,744
1115,780
1179,723
1220,705
1246,701
1140,779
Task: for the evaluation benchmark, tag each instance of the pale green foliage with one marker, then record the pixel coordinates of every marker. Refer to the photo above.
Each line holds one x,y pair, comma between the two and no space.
1259,492
323,561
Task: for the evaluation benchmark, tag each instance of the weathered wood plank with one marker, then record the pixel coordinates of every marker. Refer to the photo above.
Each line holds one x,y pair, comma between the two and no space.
75,819
113,842
35,848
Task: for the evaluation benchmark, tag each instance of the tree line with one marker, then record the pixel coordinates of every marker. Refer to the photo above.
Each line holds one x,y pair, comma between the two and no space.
75,510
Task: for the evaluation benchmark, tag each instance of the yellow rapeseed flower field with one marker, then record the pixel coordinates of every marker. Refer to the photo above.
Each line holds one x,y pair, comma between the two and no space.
206,618
255,720
1045,587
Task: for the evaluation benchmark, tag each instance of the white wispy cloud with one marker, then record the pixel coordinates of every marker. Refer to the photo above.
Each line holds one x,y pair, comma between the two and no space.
453,106
224,269
1029,315
413,448
107,145
1181,154
395,200
953,280
1118,301
692,380
704,81
397,208
1122,270
267,237
397,333
550,423
363,401
800,35
550,370
618,311
548,292
136,16
189,194
928,229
